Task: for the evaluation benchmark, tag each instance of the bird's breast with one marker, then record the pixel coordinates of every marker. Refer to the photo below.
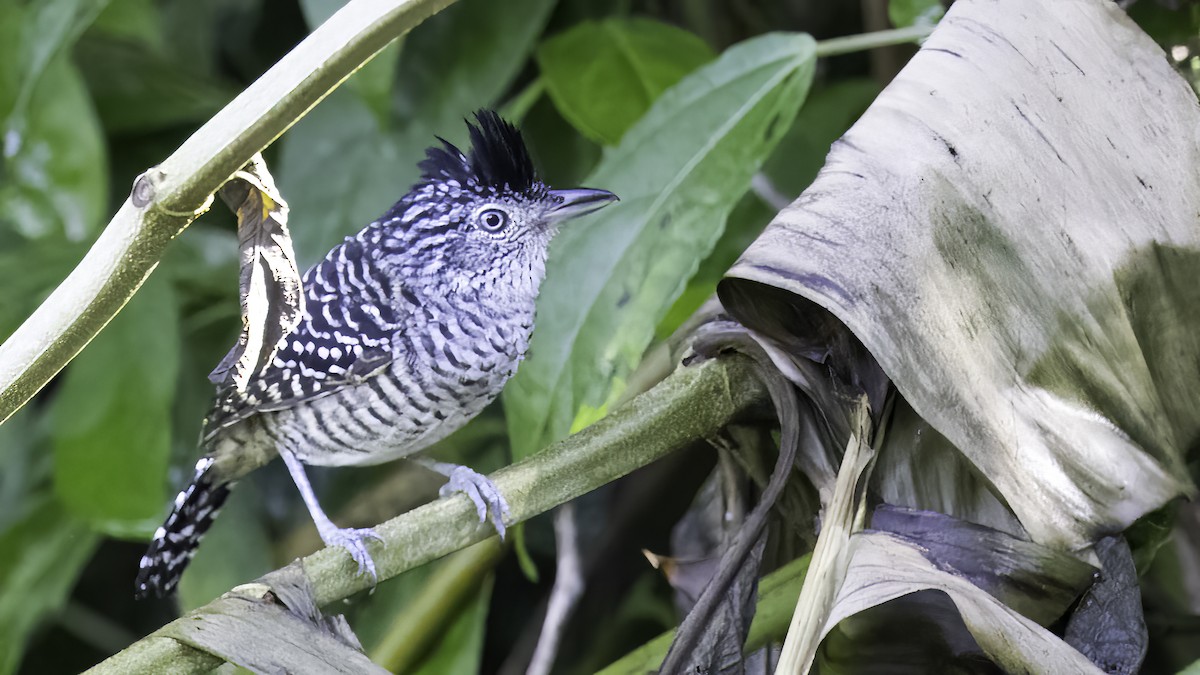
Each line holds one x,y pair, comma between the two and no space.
443,375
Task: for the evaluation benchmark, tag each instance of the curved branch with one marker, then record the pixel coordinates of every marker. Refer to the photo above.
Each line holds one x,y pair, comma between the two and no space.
692,403
168,197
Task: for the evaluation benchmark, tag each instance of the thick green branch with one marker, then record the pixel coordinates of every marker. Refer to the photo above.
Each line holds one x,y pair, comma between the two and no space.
692,403
169,196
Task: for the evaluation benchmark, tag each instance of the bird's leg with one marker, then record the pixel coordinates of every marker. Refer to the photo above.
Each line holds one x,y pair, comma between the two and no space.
483,492
351,539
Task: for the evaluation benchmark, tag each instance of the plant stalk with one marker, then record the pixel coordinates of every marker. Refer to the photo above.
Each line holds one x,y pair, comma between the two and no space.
692,403
168,197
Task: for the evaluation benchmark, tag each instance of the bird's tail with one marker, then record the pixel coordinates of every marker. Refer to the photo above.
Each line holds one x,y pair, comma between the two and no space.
176,541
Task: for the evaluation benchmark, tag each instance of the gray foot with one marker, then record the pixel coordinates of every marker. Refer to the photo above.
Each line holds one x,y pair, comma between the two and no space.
483,494
355,541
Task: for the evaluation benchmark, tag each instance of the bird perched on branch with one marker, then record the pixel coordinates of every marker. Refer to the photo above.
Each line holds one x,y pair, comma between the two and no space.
409,329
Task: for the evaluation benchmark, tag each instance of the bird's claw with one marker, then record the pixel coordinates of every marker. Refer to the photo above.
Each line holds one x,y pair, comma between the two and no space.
483,493
355,542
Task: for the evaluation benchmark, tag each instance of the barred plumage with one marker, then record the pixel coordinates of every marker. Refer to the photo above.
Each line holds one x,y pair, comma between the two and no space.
411,327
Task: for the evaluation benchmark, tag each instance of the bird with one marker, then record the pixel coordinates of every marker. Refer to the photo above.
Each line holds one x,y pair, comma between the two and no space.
409,329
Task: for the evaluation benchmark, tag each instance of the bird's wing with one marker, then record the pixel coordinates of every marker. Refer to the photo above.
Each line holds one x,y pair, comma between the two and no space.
347,334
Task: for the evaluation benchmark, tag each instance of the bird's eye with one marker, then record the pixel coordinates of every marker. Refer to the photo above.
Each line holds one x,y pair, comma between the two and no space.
493,220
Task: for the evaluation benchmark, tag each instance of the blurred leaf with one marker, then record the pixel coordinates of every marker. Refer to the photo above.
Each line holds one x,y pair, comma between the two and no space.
460,649
1169,26
111,417
373,82
193,30
905,13
24,466
30,270
563,156
40,558
431,618
341,167
1059,359
53,175
236,550
31,35
140,91
678,172
603,75
317,12
52,171
1193,669
132,21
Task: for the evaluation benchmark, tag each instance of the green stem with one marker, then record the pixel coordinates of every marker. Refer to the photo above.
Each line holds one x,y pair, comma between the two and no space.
171,195
866,41
692,403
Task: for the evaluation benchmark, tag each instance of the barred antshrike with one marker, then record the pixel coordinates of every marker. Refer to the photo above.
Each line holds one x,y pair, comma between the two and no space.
410,328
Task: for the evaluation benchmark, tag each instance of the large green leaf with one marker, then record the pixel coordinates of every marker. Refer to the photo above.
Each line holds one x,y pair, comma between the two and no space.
40,558
111,418
343,164
461,648
603,75
1020,253
138,90
678,172
53,177
372,82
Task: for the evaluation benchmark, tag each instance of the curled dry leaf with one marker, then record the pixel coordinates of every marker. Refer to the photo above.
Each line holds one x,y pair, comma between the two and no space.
1011,230
269,282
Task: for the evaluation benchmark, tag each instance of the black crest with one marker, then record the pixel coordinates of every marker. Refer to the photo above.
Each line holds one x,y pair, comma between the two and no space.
498,156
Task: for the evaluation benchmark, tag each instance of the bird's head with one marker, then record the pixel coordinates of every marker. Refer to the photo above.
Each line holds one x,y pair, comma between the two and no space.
483,219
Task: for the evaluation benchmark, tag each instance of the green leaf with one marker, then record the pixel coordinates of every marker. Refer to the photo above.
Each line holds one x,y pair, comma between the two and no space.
372,82
343,164
904,13
53,174
31,269
23,466
827,113
461,648
41,556
31,36
679,173
53,177
135,21
139,91
111,418
603,75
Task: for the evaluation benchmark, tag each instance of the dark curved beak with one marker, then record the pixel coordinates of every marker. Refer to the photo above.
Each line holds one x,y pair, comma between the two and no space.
578,202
